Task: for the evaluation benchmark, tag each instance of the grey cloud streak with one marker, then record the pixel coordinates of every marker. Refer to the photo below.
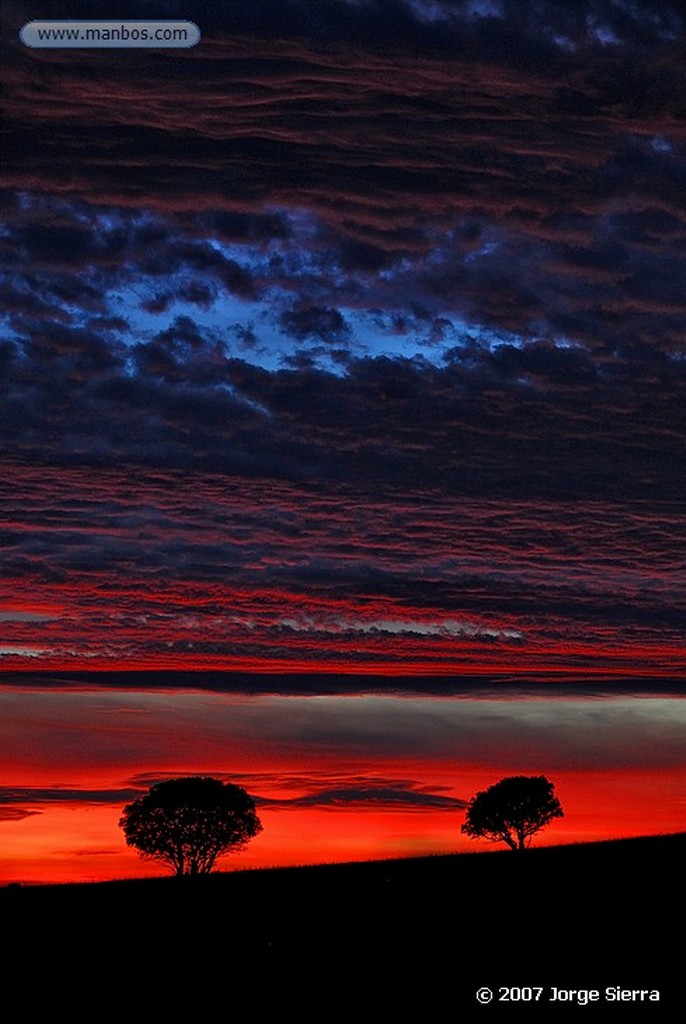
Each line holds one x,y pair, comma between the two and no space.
539,733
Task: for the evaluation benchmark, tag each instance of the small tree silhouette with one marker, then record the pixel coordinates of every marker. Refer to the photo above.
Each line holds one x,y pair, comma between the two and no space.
187,823
512,810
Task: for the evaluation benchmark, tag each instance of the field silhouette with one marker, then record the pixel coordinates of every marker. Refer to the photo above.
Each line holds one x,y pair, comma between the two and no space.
373,941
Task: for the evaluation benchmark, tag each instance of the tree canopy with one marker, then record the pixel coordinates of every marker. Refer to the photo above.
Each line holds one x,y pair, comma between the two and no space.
187,823
512,810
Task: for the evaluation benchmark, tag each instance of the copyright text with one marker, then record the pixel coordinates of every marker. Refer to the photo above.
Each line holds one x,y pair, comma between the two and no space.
578,996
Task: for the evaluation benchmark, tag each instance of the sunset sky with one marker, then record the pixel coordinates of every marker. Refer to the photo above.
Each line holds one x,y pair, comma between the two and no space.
343,422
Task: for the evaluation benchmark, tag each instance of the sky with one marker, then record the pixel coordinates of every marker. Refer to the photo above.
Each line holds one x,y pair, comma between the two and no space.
343,358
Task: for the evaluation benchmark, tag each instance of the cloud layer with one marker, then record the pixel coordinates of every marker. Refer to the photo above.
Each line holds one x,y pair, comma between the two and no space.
218,571
354,333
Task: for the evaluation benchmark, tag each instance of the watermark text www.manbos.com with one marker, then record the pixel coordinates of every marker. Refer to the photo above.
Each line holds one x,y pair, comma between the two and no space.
570,996
109,34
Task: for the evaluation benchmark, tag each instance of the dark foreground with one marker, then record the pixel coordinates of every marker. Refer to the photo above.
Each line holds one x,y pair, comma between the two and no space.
383,942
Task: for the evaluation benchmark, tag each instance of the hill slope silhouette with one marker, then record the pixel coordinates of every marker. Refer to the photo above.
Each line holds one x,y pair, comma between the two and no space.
363,942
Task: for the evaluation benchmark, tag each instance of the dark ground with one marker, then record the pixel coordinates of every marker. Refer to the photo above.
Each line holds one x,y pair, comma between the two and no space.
383,942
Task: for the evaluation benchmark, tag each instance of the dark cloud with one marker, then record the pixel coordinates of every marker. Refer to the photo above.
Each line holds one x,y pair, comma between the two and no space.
15,813
315,322
238,226
372,794
60,794
330,791
501,183
427,24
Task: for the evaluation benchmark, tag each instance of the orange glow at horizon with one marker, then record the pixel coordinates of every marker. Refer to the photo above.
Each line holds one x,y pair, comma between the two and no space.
73,842
336,778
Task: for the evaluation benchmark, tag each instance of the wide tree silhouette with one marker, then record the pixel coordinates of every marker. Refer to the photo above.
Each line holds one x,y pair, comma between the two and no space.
512,810
187,823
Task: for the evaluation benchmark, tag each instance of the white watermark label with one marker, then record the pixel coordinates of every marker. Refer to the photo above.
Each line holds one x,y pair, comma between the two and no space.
110,35
571,996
